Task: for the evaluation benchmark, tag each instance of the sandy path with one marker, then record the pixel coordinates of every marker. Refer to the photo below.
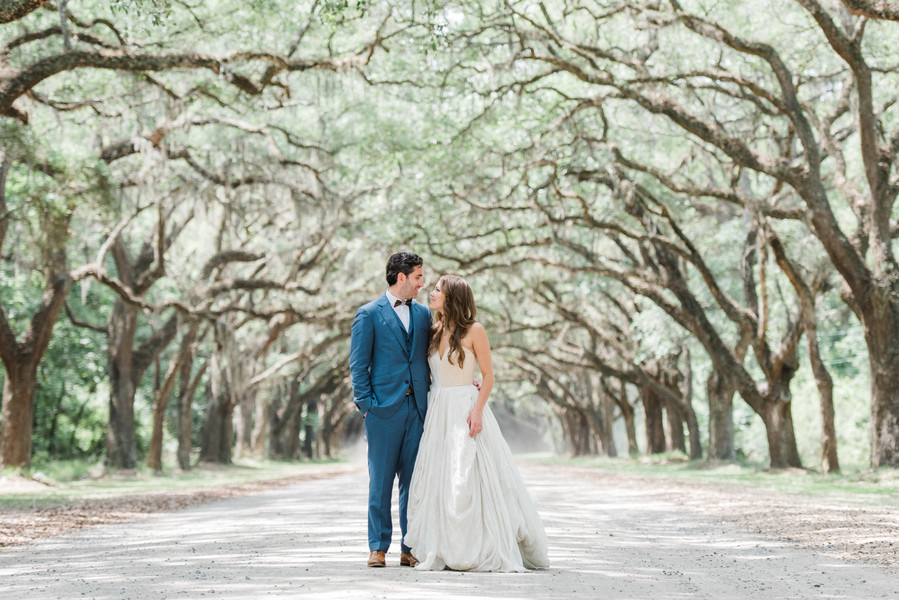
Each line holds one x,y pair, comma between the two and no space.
307,540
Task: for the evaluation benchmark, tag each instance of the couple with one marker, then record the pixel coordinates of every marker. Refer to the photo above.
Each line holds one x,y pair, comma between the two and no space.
467,505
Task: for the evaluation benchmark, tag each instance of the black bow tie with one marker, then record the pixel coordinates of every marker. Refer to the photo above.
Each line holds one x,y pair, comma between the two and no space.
406,302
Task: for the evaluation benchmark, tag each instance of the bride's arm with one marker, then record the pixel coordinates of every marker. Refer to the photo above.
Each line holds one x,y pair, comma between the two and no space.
481,347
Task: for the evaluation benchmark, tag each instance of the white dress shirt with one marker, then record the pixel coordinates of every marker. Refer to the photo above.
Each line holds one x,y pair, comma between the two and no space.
402,311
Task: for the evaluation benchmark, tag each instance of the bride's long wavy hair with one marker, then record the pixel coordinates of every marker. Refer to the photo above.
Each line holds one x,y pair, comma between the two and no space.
457,316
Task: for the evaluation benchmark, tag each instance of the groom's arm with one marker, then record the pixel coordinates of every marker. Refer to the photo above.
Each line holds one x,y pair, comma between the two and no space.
362,341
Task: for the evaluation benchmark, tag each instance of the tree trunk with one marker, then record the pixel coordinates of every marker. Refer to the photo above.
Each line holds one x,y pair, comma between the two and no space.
121,451
778,418
778,421
243,425
227,387
883,355
277,446
596,413
260,427
608,409
686,392
600,431
285,416
291,437
310,427
218,428
675,427
21,360
154,453
653,421
184,358
807,294
578,432
829,461
18,413
720,391
630,425
185,403
185,414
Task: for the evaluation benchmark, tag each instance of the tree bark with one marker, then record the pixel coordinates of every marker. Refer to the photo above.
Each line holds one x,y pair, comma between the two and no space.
778,420
874,9
13,10
243,424
187,389
161,398
285,416
121,451
720,391
653,421
883,356
18,411
686,392
627,413
21,360
260,424
600,431
829,460
596,412
677,441
310,427
608,410
218,426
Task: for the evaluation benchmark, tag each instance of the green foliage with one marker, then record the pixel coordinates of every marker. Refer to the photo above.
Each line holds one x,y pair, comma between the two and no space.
452,140
339,11
71,400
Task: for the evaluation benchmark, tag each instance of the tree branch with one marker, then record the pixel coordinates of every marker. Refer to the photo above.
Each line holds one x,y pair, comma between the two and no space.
20,82
873,9
13,10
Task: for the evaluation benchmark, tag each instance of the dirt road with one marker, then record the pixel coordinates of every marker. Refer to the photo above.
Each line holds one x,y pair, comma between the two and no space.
608,540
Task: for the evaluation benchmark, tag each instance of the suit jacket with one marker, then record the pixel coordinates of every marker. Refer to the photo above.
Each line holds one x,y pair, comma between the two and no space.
385,361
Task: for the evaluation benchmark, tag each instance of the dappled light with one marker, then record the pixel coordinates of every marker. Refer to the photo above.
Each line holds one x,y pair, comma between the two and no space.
606,538
677,222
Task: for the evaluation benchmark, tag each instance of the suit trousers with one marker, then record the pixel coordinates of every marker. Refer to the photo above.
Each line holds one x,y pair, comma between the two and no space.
392,448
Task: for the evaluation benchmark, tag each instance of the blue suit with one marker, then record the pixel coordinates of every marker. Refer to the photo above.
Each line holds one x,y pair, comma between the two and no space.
389,370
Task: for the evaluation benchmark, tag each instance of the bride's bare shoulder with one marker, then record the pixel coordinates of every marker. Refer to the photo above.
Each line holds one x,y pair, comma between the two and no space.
474,334
477,328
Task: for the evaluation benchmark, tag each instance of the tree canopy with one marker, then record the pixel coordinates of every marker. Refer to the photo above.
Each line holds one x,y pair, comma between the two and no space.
645,195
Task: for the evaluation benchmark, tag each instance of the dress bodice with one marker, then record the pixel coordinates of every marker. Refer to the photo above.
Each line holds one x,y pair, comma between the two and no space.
449,374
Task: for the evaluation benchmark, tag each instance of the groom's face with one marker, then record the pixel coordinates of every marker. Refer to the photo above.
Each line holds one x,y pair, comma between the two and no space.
410,284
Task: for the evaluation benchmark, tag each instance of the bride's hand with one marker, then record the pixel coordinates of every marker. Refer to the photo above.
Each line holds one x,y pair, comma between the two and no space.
475,423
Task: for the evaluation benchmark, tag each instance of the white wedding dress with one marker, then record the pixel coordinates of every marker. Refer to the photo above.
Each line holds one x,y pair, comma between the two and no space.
468,507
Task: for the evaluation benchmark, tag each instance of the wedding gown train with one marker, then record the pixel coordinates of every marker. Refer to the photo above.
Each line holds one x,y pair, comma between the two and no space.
468,506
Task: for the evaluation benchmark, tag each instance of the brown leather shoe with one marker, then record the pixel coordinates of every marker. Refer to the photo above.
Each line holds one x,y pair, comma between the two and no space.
377,559
407,560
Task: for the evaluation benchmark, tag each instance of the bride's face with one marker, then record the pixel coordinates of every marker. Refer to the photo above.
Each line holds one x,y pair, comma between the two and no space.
436,298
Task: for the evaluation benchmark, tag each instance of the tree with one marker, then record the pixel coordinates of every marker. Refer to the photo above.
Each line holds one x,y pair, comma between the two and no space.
59,44
789,129
21,358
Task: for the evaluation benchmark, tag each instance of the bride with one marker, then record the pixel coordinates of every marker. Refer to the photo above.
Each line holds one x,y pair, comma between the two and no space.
468,507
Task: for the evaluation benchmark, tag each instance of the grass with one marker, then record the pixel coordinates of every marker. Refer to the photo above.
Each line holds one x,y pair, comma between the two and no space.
881,485
73,480
70,483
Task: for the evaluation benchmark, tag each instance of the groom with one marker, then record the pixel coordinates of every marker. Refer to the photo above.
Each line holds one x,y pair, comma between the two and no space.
389,369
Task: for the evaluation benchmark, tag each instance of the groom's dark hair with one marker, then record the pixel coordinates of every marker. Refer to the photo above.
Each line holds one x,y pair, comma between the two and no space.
402,262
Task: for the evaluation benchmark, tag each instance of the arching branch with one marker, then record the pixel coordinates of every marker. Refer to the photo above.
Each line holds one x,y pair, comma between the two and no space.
13,10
